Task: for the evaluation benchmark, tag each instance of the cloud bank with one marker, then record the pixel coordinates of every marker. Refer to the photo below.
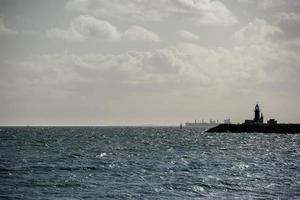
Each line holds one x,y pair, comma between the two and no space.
200,11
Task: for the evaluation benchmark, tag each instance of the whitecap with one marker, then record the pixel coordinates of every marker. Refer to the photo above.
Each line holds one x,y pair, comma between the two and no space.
197,188
101,155
270,185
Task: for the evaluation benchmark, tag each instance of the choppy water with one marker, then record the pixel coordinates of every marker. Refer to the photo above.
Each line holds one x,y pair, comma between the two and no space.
146,163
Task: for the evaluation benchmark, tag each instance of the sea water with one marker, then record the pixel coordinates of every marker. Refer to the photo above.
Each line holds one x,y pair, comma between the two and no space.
146,163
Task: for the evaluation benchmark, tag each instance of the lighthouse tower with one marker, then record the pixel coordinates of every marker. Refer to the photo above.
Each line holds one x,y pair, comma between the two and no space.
256,114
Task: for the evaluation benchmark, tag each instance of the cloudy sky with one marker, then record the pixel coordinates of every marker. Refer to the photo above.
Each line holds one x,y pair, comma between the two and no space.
131,62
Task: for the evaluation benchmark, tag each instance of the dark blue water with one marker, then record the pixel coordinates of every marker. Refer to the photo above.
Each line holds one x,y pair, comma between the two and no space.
146,163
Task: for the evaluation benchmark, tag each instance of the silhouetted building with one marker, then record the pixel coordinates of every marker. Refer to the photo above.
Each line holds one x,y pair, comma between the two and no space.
227,121
211,123
248,121
272,121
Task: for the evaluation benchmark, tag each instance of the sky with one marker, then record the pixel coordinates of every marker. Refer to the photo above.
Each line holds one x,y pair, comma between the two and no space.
137,62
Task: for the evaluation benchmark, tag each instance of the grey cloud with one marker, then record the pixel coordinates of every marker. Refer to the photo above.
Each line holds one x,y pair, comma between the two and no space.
78,5
266,4
285,29
257,31
180,66
287,17
271,3
4,30
187,35
162,62
290,24
244,1
140,33
84,27
201,11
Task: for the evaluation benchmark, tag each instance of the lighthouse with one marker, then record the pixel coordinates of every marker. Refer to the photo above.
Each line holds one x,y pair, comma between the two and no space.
258,117
256,114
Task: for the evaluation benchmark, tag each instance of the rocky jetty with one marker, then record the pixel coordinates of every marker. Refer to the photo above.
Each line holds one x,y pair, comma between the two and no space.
256,128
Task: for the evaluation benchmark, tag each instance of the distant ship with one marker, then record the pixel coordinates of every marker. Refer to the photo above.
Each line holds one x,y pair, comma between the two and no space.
203,124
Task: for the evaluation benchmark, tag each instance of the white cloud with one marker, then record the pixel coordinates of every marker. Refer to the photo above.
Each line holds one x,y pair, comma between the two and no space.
86,26
5,30
258,31
140,33
201,11
184,34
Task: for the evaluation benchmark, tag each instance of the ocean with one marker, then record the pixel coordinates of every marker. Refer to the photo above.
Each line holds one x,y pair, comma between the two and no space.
67,163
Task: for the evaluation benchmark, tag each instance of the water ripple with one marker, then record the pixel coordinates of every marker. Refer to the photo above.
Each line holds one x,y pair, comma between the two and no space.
146,163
